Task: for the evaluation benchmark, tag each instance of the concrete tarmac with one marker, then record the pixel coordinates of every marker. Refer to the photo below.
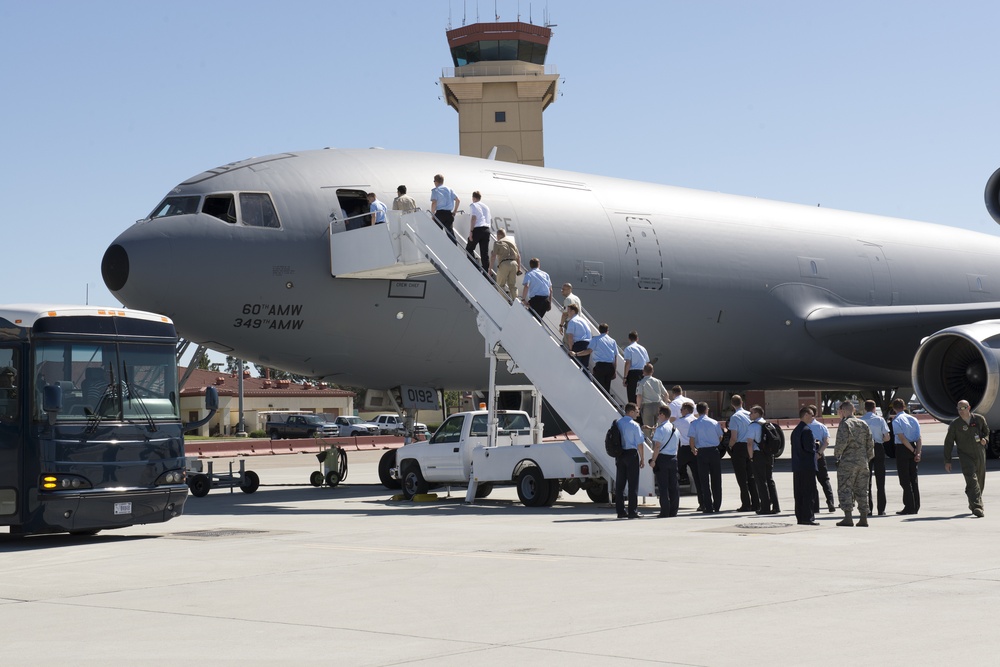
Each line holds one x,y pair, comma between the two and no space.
299,575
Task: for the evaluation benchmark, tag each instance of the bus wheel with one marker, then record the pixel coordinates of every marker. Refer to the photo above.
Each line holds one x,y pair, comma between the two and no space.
316,478
200,485
251,482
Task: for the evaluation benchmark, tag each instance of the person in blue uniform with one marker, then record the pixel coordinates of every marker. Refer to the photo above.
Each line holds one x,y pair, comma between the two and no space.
740,455
908,448
762,463
636,358
443,205
578,336
377,210
628,464
822,434
603,350
704,436
666,441
537,293
880,433
804,457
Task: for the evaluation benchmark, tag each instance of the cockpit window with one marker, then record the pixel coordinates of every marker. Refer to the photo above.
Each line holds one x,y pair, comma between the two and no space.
176,206
222,206
257,210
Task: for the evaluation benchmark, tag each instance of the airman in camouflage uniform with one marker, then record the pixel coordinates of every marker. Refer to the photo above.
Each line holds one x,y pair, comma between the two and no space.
855,448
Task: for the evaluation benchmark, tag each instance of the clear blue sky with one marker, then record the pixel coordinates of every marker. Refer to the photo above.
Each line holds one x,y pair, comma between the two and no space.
886,107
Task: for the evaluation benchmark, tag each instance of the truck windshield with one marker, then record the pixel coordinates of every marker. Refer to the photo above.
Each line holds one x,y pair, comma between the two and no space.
131,381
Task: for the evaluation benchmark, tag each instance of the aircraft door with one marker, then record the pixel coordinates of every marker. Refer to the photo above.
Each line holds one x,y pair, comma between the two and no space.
642,259
881,292
563,224
10,435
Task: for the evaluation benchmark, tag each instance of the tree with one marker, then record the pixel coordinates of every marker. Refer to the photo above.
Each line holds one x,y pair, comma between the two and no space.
202,362
233,365
832,399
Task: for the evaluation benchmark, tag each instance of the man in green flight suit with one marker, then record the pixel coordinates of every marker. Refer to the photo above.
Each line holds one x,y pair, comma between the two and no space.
971,433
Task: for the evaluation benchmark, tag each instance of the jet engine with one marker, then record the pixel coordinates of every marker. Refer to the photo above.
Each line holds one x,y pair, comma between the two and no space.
993,196
958,363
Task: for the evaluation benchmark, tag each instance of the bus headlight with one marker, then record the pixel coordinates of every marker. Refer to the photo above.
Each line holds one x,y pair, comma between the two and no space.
172,477
63,482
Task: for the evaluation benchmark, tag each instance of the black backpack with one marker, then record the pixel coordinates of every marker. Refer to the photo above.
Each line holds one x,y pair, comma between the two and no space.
613,441
770,439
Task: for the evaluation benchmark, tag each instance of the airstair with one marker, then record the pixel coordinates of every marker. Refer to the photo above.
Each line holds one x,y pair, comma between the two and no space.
414,244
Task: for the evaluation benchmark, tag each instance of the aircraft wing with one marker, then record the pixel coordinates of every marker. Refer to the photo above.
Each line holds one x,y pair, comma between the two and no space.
888,336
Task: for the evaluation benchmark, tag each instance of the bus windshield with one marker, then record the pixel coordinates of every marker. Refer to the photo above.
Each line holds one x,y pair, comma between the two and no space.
131,381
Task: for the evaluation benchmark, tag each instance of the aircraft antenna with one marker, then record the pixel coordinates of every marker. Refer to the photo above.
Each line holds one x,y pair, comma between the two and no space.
496,12
518,11
449,16
463,12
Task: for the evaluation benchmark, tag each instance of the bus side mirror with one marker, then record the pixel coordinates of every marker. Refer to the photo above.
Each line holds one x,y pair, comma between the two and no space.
52,401
52,398
211,404
211,398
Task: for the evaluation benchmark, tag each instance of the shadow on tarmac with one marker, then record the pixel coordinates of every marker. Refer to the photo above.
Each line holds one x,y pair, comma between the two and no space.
15,543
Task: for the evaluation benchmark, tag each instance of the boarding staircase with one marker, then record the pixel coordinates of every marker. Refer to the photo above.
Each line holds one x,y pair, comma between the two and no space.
412,244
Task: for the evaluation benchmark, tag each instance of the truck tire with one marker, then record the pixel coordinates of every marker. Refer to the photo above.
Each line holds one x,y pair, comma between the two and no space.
554,488
532,488
311,433
599,494
385,464
412,482
484,489
274,434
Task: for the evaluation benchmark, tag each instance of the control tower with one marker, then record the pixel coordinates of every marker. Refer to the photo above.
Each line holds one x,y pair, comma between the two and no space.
500,85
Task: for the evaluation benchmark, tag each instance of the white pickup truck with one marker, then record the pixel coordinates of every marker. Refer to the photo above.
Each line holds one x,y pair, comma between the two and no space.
458,454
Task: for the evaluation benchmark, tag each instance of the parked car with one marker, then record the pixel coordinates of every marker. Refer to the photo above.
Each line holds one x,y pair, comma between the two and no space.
300,426
392,424
351,426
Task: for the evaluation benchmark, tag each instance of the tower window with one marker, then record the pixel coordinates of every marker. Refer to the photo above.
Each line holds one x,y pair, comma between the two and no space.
500,117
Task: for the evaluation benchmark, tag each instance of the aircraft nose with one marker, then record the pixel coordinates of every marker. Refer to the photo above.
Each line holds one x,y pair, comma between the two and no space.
114,267
137,268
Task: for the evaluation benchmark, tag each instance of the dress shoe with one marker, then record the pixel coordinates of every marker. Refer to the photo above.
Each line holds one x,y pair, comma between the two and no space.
808,523
745,509
623,516
831,507
637,515
775,511
901,512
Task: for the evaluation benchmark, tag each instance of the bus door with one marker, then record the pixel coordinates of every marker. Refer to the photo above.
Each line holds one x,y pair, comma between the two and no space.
11,412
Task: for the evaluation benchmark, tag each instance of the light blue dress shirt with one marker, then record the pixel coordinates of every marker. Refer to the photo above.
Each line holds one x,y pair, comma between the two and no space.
631,433
604,347
667,437
539,284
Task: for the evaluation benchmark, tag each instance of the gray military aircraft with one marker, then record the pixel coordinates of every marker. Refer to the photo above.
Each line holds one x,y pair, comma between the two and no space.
727,291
